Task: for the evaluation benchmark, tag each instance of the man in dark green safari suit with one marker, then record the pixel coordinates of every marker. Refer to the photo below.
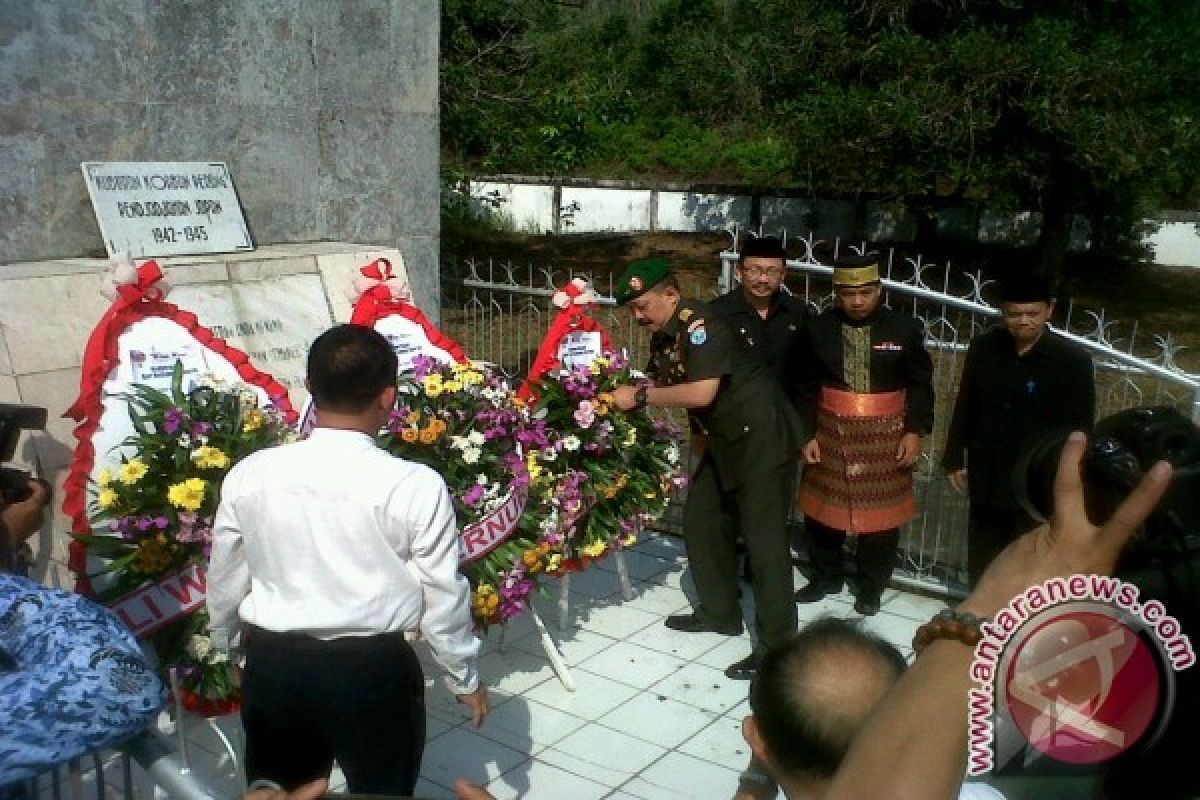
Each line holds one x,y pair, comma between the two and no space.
745,474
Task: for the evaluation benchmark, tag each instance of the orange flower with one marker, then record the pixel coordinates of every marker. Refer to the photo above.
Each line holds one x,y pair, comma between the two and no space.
428,436
438,426
409,435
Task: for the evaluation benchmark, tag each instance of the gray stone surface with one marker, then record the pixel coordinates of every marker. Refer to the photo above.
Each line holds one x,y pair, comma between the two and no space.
326,113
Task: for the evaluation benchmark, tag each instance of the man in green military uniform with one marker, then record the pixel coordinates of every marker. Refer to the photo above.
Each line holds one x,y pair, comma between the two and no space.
746,470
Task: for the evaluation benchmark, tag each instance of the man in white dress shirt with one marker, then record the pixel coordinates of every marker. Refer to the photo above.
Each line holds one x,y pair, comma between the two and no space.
325,553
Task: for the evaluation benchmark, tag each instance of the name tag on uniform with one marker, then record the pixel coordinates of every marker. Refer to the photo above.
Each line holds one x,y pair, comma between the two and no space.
888,346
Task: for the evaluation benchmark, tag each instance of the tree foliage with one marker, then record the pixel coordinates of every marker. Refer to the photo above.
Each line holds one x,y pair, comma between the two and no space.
1064,107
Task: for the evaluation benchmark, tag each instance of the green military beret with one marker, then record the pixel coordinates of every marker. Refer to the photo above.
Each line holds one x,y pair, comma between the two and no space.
640,277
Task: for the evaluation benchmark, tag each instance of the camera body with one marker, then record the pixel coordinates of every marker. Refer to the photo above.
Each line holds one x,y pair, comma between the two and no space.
1120,450
14,483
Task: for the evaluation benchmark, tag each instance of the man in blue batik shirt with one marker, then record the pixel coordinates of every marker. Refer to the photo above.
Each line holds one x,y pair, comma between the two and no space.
72,678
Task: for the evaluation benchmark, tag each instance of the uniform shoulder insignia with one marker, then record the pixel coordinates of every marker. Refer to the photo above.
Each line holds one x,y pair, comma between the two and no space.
696,333
685,315
699,323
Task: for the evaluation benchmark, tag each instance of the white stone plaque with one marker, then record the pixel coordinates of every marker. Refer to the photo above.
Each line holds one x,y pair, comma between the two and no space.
273,321
166,208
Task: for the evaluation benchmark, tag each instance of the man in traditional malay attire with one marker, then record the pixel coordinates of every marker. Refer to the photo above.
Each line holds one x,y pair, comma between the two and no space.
864,381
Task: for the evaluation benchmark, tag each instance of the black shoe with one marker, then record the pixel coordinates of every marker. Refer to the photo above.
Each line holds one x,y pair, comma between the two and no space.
743,670
691,623
814,592
867,606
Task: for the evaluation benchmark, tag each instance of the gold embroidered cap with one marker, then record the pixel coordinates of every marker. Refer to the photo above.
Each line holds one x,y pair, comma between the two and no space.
854,271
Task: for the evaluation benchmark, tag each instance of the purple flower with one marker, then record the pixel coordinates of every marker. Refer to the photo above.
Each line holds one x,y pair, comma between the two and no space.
474,496
585,414
201,428
172,421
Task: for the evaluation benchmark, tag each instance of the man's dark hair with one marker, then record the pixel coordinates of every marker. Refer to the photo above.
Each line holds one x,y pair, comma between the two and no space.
348,366
669,281
1024,286
807,710
761,247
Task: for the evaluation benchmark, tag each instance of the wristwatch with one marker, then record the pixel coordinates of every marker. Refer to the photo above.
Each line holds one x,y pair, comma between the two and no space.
639,397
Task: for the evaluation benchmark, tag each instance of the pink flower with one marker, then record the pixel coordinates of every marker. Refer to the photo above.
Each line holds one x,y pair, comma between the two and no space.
585,414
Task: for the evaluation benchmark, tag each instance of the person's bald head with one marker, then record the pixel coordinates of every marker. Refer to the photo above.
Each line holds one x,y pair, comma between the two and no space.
813,693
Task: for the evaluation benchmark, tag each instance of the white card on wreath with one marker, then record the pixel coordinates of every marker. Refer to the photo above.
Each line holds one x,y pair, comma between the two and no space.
580,349
409,340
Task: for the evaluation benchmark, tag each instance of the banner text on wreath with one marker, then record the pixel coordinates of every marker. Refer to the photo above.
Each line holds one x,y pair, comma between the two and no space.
157,605
484,536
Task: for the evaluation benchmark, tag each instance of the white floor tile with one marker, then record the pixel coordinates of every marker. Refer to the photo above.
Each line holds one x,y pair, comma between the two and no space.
739,711
702,687
686,646
537,780
679,772
576,645
721,743
661,545
657,599
643,790
593,696
527,726
632,665
595,583
463,753
896,629
913,606
595,746
639,564
612,619
727,652
428,790
515,671
658,719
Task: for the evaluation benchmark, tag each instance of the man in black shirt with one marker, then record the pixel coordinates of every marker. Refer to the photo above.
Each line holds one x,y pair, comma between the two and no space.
1019,380
745,475
766,318
865,384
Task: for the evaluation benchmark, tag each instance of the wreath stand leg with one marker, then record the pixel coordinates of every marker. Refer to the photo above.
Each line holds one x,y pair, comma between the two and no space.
564,601
623,575
557,662
180,713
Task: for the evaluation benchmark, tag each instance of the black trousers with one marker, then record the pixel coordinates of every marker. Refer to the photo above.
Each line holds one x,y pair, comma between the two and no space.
989,530
875,558
713,515
359,700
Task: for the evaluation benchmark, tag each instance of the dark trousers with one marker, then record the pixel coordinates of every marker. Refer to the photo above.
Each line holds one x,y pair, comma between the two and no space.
989,530
359,700
875,558
757,509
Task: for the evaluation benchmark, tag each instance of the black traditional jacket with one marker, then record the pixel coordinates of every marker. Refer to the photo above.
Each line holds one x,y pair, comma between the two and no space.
893,356
1005,400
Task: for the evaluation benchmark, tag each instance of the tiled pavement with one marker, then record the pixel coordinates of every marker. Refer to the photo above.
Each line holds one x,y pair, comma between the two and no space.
652,716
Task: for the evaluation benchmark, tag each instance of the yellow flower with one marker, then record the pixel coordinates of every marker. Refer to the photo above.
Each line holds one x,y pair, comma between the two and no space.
428,436
453,386
153,556
554,562
252,420
133,471
630,540
408,435
188,495
207,457
631,437
471,377
105,477
433,385
107,498
594,549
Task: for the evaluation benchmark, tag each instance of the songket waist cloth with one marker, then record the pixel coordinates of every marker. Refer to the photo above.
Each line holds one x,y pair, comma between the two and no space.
858,486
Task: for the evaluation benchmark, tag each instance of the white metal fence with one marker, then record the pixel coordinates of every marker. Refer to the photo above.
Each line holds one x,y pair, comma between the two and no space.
500,312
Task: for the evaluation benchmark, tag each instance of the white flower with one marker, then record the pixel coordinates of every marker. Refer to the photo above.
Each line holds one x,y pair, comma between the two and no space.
673,454
571,443
218,657
199,647
476,438
637,374
459,442
548,454
471,454
184,440
549,523
481,479
247,398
